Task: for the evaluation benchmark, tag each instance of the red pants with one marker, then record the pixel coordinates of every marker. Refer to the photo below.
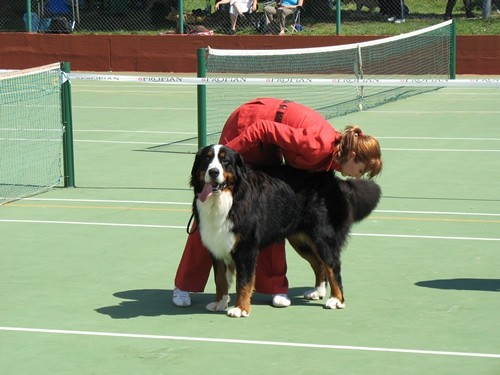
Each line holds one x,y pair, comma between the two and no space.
196,263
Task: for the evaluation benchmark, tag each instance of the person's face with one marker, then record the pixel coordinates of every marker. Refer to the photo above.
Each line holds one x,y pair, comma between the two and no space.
351,168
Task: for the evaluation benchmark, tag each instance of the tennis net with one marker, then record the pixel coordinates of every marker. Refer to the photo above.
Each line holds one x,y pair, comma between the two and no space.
426,54
31,131
335,81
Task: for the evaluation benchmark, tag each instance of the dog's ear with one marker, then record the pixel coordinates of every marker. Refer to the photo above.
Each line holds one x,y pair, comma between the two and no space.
194,169
241,167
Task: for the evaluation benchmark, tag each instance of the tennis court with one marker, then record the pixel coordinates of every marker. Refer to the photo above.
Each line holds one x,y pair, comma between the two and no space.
87,272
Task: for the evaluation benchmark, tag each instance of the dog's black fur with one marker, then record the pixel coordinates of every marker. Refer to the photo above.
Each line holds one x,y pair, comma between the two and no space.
314,211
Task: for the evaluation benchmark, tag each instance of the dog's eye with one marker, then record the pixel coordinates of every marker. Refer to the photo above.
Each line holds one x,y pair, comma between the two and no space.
224,161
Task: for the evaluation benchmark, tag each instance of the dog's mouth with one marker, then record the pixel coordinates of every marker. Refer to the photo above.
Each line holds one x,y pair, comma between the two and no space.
209,189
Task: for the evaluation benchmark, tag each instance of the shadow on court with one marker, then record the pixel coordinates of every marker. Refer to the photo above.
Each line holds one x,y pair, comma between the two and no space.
157,302
143,302
482,285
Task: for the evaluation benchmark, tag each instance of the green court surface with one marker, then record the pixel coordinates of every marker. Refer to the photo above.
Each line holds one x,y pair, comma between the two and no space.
86,274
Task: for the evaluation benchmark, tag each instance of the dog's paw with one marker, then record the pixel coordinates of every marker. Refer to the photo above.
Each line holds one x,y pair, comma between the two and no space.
219,305
312,295
317,293
334,303
236,312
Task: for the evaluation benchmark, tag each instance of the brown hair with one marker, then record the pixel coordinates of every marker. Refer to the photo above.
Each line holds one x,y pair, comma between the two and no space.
366,147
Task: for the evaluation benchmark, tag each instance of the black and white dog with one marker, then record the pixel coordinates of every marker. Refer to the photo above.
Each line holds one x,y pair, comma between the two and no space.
240,210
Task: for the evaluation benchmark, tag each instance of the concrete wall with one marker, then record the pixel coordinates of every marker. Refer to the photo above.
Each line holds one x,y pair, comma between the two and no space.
177,53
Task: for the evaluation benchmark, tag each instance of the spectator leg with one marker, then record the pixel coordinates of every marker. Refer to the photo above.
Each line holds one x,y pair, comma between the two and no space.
282,14
449,8
269,12
233,18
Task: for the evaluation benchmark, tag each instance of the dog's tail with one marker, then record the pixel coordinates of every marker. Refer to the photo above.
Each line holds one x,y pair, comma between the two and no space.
365,195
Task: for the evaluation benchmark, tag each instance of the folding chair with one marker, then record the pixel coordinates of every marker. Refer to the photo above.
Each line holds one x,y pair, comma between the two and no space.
296,26
295,16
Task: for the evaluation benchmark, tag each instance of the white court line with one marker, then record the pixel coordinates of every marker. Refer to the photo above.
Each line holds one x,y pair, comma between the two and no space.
436,150
137,143
426,237
190,109
92,223
467,92
190,203
437,213
139,131
121,142
192,144
184,227
416,112
107,201
250,342
441,138
195,133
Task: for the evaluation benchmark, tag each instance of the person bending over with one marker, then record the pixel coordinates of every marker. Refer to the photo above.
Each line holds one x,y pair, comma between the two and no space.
269,131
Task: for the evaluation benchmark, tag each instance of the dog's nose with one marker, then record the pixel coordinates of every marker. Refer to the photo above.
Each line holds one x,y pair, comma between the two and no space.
213,172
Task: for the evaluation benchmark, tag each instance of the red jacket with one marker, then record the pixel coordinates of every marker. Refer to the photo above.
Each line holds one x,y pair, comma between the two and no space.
302,136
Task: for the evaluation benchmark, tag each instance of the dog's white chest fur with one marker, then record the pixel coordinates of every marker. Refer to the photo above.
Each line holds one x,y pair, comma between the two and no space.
215,227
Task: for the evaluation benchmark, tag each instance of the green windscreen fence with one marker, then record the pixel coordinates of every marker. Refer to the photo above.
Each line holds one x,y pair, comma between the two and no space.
423,55
31,131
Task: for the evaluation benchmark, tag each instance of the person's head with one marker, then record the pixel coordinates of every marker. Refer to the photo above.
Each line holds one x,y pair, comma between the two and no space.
358,154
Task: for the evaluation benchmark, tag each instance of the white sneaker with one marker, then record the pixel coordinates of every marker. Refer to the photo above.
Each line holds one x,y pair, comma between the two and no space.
391,19
399,20
181,298
281,300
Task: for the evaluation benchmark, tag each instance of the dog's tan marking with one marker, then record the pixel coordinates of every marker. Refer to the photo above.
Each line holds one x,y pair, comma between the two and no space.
335,291
302,243
221,283
230,179
244,297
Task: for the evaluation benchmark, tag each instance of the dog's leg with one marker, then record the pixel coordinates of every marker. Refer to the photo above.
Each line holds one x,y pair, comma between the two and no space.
246,262
243,300
336,300
303,246
319,290
326,265
223,275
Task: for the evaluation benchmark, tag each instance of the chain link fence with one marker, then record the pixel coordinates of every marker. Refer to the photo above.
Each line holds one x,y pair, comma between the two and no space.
317,17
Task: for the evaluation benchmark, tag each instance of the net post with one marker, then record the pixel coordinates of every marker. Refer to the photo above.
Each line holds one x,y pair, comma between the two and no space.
338,16
453,50
202,99
29,24
68,155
